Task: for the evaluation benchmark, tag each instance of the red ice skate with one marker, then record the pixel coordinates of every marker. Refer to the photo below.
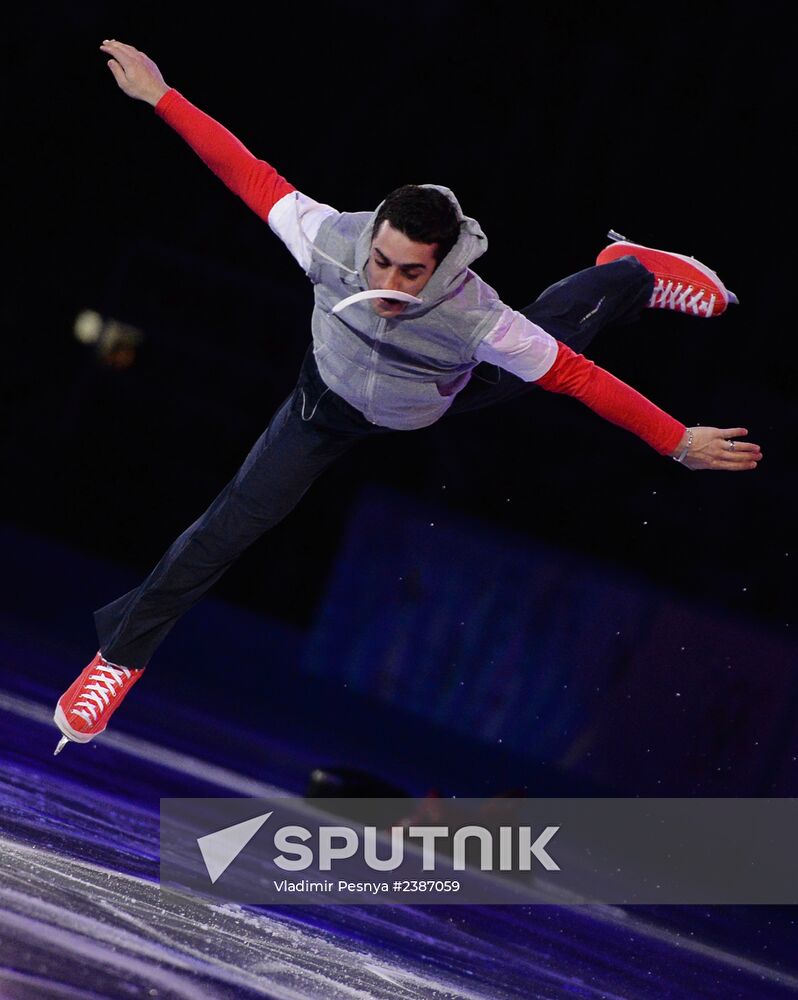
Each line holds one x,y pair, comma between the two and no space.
84,709
682,283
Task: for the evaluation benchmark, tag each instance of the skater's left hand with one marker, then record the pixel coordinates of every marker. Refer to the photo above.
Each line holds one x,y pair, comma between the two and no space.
717,448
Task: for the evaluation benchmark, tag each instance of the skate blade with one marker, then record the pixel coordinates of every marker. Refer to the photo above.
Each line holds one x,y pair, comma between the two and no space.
61,744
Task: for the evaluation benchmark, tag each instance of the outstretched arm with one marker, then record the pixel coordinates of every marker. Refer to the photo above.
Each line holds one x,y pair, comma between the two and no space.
255,181
696,447
526,350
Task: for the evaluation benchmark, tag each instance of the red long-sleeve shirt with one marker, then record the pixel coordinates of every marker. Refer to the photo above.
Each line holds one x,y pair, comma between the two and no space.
574,375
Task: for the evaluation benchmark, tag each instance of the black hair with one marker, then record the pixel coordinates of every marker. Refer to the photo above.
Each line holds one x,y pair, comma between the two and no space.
423,214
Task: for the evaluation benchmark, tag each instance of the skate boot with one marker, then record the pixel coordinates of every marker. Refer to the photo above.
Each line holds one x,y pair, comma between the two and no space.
84,709
682,283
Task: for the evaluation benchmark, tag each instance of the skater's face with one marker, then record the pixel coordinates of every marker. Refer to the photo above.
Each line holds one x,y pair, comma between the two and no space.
397,263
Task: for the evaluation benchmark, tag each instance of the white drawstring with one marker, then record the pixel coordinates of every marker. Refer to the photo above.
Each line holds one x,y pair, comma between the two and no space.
309,243
315,407
374,293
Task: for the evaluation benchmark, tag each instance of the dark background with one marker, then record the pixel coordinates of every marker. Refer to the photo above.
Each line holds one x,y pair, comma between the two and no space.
552,124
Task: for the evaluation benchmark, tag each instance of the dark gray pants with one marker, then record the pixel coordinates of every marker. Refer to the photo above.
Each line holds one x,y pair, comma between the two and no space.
312,428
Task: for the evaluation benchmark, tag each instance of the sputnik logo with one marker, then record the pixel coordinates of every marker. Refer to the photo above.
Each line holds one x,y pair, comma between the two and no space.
220,849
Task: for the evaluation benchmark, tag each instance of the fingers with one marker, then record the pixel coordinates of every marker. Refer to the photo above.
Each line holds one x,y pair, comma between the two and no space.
121,60
737,463
740,450
721,464
126,55
117,70
117,49
739,446
732,455
742,457
120,46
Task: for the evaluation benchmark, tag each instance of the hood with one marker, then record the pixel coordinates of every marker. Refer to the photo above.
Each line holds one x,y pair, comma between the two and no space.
450,273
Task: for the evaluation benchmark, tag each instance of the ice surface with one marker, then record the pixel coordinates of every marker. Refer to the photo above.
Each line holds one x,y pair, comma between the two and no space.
82,915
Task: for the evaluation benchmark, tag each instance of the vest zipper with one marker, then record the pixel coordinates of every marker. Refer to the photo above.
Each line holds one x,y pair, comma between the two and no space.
372,376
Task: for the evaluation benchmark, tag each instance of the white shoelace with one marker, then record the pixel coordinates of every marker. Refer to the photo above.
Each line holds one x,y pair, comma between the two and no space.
95,697
670,296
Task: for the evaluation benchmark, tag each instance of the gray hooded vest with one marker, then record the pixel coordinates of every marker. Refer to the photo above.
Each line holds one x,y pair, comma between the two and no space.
403,372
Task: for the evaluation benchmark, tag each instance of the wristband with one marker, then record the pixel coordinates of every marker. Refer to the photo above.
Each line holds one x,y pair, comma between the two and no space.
683,453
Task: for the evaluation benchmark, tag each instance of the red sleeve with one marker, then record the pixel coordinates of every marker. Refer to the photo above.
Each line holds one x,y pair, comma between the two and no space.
256,182
612,399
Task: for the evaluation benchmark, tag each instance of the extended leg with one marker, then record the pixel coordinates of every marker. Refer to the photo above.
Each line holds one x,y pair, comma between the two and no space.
308,432
576,308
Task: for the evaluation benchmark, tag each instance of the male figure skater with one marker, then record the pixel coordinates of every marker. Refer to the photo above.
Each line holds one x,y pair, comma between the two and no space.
400,323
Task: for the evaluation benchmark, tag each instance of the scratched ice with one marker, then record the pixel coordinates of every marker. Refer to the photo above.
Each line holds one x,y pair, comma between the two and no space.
82,915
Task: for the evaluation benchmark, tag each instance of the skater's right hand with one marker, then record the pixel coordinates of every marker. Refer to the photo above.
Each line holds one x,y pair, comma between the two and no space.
136,74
